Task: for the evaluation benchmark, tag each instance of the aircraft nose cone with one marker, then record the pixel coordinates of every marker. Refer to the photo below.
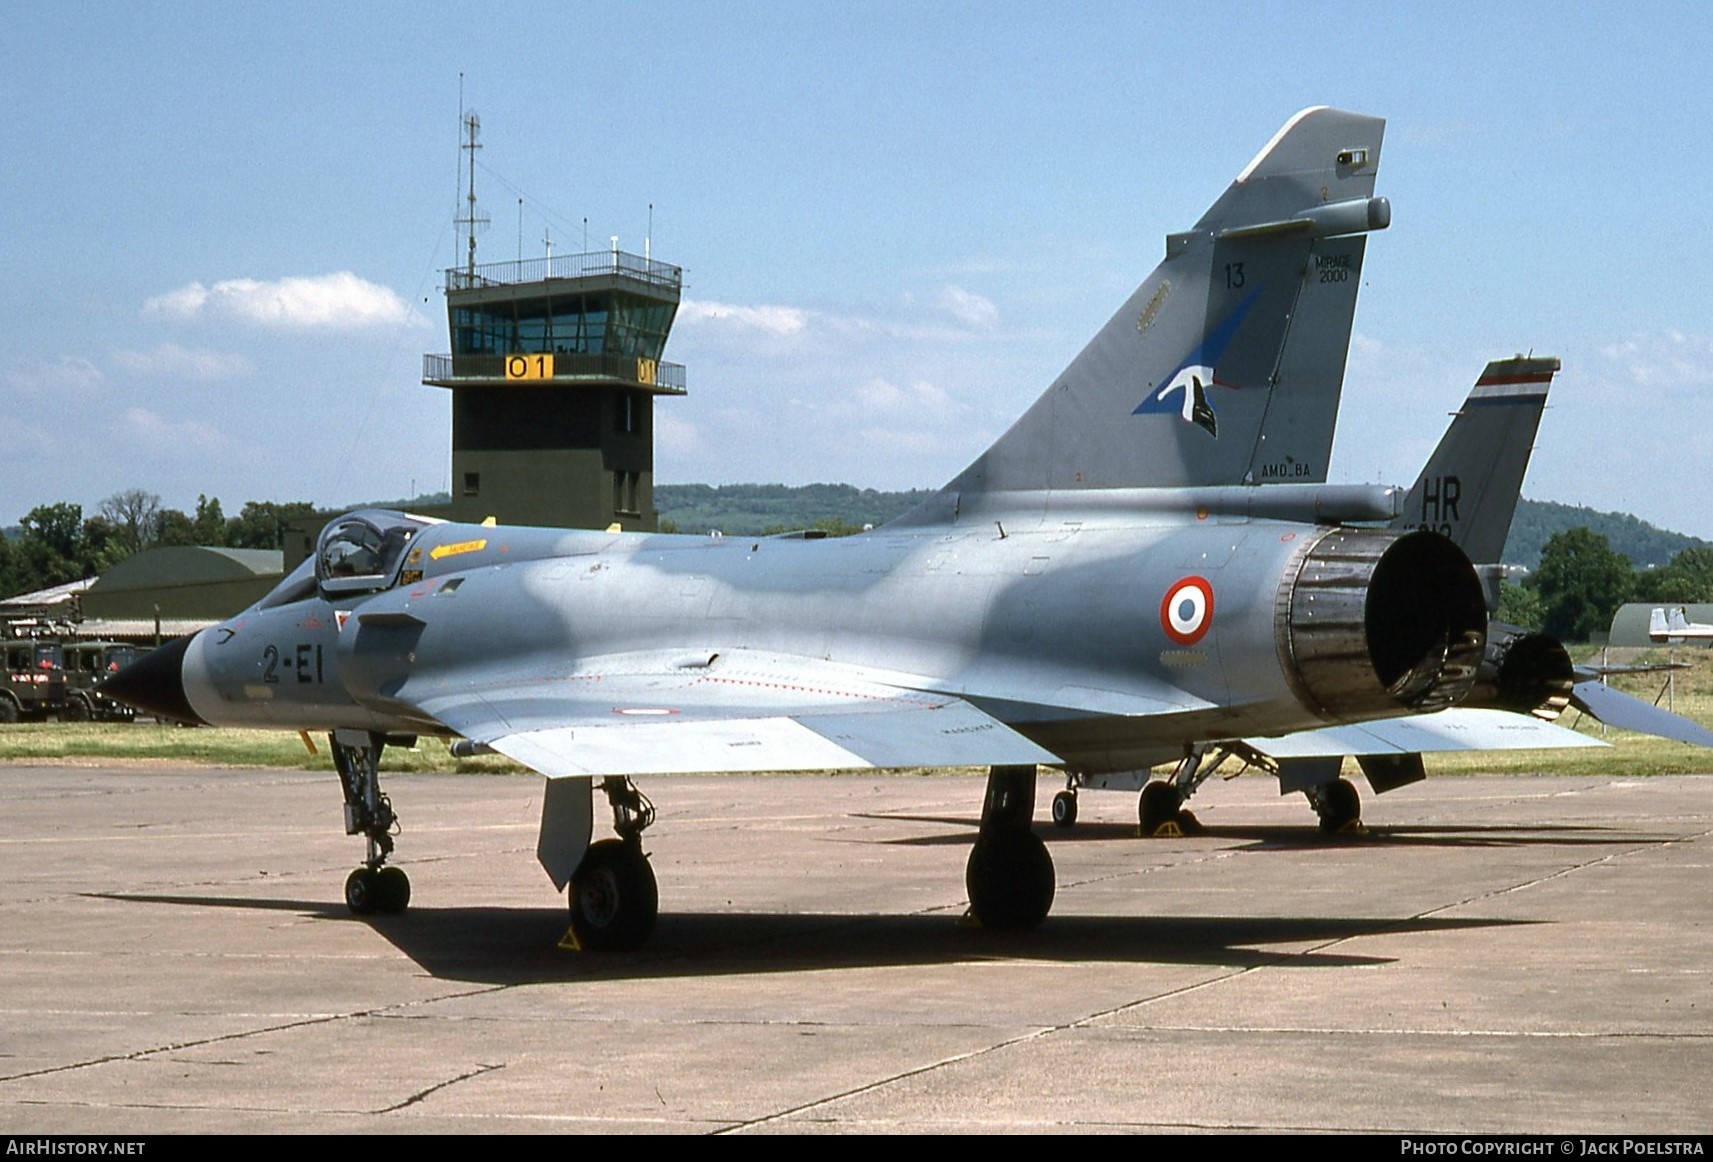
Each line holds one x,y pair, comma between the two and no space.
154,683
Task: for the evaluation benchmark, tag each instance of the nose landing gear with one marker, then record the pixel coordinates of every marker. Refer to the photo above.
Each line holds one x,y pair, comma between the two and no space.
373,888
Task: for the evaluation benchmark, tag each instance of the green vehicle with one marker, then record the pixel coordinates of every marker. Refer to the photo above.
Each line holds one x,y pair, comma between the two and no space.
32,680
86,664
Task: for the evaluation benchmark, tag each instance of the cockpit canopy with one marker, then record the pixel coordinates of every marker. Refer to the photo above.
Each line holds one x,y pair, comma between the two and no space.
360,552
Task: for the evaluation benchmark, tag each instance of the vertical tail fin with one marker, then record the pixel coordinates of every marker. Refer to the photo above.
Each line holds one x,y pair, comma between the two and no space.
1470,486
1227,363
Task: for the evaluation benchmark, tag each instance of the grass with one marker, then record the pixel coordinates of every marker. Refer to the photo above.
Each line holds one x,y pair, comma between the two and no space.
1630,755
207,746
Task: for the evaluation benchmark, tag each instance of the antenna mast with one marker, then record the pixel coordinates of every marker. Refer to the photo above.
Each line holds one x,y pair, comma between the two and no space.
472,221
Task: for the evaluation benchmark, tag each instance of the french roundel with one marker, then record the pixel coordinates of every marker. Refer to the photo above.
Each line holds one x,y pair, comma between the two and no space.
1187,610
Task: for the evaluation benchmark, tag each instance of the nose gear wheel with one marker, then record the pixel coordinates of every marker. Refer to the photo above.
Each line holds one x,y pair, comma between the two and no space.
374,887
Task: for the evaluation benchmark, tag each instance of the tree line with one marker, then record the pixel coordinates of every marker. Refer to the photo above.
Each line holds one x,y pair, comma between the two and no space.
56,543
1581,581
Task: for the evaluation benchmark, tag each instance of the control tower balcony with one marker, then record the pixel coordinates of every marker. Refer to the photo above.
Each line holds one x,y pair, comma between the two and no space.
554,370
658,277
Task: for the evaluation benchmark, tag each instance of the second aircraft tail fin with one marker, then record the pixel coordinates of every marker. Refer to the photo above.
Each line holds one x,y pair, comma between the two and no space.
1470,486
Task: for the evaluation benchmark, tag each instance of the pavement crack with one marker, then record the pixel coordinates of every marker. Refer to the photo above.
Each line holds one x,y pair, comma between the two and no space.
179,1046
882,1082
241,1034
1548,877
421,1094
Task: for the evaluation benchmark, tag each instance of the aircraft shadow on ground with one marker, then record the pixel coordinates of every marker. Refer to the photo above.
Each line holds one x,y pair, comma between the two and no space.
497,945
1285,838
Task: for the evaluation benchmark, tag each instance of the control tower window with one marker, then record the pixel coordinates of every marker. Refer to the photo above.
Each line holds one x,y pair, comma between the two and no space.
624,494
611,322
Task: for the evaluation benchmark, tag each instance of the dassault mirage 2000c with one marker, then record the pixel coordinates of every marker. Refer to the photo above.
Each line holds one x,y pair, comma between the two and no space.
1093,593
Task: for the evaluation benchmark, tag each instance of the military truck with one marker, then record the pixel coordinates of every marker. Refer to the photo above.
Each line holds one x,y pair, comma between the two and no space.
86,664
32,679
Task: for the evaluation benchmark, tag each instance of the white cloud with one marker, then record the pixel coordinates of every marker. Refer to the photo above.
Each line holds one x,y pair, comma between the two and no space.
184,303
675,436
954,315
1670,360
968,308
903,440
157,434
919,398
902,392
25,440
68,373
1365,347
773,320
339,301
169,359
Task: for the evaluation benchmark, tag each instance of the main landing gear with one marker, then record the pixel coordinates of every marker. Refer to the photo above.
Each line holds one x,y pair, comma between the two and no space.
1009,876
1160,808
614,898
1065,808
1160,804
1339,807
374,887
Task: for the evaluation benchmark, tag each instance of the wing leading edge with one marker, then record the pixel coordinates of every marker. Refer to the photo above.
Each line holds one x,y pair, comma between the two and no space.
650,715
952,734
1460,728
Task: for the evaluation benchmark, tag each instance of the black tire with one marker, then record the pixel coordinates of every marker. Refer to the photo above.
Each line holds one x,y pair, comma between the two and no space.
614,898
76,710
363,891
1158,805
394,888
1339,806
1065,809
1009,878
8,710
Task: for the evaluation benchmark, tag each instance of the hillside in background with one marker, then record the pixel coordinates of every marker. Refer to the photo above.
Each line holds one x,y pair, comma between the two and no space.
1644,544
747,509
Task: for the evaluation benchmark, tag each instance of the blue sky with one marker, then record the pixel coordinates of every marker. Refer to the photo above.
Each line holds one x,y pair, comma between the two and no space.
227,224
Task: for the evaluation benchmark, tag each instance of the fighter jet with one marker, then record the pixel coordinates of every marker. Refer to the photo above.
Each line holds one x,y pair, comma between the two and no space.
1092,593
1672,625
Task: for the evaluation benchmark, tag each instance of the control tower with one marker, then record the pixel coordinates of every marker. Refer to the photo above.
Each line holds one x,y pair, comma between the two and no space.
554,370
